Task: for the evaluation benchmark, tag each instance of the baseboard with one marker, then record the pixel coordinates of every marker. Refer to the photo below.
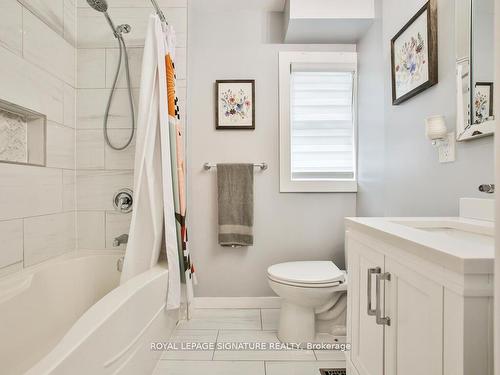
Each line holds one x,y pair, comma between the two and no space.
236,302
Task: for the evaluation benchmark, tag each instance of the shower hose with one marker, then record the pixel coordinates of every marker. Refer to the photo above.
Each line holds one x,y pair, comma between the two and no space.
123,51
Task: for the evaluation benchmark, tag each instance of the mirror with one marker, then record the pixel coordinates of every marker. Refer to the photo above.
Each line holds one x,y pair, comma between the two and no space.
474,42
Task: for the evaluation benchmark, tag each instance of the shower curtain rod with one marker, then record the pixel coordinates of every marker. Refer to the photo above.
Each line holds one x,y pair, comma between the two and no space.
159,12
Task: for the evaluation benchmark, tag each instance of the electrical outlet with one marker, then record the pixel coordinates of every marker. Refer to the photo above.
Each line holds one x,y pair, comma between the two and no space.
447,150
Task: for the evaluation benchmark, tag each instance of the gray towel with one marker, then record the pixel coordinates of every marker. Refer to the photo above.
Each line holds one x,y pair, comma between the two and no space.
235,195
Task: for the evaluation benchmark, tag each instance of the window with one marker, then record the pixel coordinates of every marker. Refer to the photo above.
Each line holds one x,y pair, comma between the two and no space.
317,122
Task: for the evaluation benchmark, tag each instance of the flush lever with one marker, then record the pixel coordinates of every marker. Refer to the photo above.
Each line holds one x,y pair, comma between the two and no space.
487,188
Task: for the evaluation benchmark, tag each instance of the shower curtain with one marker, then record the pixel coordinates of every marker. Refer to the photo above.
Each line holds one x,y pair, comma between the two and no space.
159,216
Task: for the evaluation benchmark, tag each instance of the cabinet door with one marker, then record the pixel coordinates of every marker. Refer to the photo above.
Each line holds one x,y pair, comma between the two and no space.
365,335
414,338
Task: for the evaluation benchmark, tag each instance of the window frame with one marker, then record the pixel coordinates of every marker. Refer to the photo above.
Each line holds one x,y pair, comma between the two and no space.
287,184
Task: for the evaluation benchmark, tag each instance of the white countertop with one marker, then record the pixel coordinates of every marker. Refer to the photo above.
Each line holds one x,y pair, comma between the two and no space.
468,249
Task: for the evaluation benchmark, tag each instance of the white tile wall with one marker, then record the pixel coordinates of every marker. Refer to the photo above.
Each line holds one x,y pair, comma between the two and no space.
11,25
138,3
29,86
60,146
49,11
45,48
135,63
48,236
90,230
89,149
37,71
29,191
95,189
119,159
91,68
11,248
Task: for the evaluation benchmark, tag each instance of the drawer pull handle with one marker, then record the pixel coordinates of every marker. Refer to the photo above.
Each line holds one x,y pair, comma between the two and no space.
371,271
384,321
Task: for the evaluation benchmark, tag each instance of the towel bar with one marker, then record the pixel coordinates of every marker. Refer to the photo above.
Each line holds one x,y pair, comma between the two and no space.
208,166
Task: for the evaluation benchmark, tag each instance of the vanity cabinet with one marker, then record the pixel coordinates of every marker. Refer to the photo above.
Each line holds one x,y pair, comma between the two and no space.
409,316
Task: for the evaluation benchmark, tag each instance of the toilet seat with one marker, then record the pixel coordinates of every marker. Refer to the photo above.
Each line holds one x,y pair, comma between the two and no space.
310,274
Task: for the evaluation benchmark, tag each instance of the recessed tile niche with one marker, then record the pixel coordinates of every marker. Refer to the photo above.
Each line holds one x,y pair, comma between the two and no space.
22,135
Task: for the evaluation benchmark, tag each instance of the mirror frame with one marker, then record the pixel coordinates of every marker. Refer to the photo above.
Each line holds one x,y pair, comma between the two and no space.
464,29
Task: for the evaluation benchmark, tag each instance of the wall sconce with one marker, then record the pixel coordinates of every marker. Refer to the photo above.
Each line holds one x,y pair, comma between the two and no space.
437,132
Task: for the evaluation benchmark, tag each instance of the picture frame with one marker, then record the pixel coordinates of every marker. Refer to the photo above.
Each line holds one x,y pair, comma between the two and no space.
235,104
414,55
482,102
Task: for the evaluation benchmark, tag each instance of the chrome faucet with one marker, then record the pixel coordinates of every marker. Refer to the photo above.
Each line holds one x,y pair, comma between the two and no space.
487,188
122,239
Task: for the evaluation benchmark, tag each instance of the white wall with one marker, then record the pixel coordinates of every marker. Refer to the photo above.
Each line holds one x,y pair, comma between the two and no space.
229,43
37,71
101,171
415,183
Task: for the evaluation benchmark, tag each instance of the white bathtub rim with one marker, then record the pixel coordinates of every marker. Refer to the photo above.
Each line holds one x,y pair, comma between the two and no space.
94,318
14,283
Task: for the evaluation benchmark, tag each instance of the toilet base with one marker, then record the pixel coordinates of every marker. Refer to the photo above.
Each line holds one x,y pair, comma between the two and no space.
297,323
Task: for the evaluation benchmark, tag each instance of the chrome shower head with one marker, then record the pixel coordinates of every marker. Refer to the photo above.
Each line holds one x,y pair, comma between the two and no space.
99,5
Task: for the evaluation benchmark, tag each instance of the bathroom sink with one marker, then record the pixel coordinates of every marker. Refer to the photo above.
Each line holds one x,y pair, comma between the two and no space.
472,233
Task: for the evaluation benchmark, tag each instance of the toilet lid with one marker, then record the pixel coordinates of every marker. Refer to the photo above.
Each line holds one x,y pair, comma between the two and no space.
309,272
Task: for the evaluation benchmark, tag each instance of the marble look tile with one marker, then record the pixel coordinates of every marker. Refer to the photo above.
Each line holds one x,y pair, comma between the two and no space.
11,25
70,21
47,49
29,191
92,105
60,146
11,250
93,31
180,337
116,225
69,116
95,189
89,149
135,64
138,3
300,368
123,159
91,68
239,336
50,12
90,230
48,236
180,63
31,87
223,319
69,186
209,368
270,319
16,267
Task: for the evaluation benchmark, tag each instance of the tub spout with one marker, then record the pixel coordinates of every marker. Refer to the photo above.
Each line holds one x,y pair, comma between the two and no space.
122,239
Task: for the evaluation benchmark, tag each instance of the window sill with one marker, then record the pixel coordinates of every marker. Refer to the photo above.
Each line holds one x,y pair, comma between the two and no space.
338,186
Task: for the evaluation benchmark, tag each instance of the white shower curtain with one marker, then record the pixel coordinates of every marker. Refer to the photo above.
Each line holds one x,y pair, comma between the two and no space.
153,225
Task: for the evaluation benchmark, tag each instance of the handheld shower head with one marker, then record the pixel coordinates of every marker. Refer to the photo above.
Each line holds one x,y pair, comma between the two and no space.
99,5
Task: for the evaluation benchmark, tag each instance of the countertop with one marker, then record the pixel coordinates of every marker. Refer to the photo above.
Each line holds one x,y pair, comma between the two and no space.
471,252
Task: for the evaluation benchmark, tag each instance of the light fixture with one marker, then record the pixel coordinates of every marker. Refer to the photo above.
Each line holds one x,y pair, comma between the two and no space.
437,132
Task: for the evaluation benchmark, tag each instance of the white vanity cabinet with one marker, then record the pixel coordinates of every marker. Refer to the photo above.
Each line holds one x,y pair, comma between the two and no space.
412,311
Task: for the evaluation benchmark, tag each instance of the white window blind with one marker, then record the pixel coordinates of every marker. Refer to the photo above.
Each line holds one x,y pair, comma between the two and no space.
322,123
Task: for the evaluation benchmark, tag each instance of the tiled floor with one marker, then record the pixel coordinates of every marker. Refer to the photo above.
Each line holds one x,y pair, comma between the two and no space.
239,326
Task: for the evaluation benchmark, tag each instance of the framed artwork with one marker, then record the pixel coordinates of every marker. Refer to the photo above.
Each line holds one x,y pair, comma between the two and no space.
235,106
414,55
483,101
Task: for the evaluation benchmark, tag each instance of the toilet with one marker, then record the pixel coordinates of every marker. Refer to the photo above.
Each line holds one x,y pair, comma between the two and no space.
303,287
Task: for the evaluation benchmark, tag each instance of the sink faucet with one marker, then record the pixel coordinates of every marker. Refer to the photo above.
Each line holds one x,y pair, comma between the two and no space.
122,239
487,188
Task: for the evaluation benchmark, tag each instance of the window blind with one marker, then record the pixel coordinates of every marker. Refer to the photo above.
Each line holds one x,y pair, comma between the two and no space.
322,124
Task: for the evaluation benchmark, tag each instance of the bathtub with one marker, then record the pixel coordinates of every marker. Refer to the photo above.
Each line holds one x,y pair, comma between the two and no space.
69,316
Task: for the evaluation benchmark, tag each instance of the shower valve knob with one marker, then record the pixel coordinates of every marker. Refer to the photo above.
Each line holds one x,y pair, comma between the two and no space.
123,200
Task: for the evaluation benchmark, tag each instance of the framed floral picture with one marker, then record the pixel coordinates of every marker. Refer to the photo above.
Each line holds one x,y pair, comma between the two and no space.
414,55
483,102
235,107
